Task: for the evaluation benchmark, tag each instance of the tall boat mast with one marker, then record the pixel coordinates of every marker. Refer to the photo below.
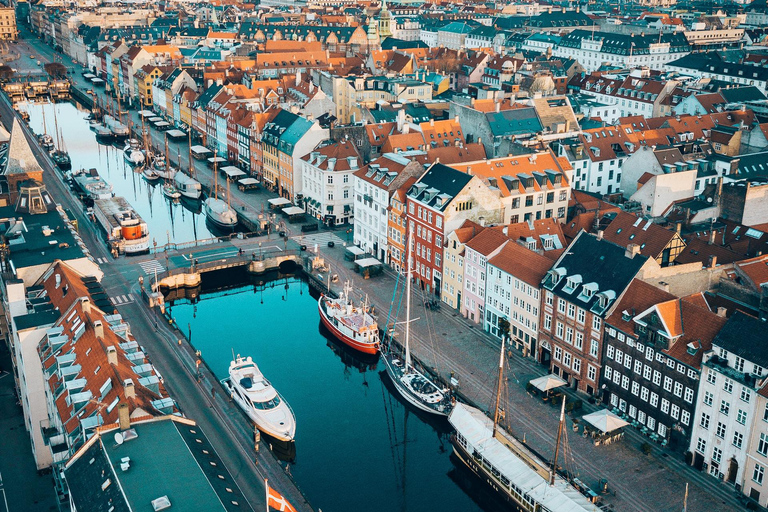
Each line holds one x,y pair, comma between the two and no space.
408,309
557,446
498,390
192,171
167,156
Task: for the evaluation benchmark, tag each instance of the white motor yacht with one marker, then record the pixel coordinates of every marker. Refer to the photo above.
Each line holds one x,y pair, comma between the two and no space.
259,400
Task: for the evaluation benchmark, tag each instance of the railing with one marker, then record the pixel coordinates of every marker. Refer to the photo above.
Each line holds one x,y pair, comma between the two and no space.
230,262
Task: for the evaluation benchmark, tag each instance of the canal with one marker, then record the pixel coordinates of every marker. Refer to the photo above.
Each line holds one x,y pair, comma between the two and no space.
168,222
358,447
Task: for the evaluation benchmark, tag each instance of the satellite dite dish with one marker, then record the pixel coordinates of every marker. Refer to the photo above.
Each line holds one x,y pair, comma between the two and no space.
119,438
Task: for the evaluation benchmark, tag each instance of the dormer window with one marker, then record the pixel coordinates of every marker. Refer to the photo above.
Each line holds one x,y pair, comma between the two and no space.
587,291
572,283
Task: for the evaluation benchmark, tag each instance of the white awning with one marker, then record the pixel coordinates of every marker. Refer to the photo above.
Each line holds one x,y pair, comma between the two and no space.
147,113
548,382
355,250
293,210
176,134
200,150
368,262
216,160
249,181
232,172
605,420
278,201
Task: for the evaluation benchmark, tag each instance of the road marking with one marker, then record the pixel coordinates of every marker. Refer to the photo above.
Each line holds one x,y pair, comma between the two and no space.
149,267
101,261
121,300
5,500
321,239
213,256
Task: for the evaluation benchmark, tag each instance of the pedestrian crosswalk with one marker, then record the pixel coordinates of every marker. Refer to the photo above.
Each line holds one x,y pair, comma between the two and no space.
121,300
101,261
320,239
152,266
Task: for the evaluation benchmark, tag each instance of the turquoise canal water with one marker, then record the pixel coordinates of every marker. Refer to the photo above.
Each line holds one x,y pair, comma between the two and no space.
358,448
168,222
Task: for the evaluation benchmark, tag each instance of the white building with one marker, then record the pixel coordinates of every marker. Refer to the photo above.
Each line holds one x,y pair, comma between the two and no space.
327,181
593,49
732,374
373,187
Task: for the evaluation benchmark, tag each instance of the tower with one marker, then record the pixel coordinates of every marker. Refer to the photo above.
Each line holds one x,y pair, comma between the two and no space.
384,21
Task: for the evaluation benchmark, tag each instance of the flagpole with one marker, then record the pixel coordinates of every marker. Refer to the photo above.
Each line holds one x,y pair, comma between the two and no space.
266,494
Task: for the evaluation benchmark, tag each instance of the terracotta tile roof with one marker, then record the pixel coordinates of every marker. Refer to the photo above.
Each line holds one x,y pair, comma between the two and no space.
378,133
70,287
105,382
700,326
440,131
535,229
626,228
468,231
345,154
526,265
512,166
638,298
698,250
487,241
455,154
711,101
755,269
403,142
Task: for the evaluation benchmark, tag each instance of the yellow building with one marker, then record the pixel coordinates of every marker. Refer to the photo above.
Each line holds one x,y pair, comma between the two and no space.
144,79
8,30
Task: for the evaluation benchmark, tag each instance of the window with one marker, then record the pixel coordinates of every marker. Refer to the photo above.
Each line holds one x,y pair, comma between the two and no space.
717,455
560,306
591,372
757,474
708,398
559,330
567,359
646,370
665,406
548,298
558,354
678,389
635,388
667,384
711,377
569,336
609,351
725,407
608,371
625,382
547,322
571,311
738,439
685,418
596,323
720,432
701,445
580,314
657,377
644,394
579,341
762,445
745,394
594,347
741,416
576,365
688,395
728,385
654,400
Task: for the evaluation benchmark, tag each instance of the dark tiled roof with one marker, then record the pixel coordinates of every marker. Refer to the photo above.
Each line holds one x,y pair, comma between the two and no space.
746,337
620,44
85,477
439,180
597,261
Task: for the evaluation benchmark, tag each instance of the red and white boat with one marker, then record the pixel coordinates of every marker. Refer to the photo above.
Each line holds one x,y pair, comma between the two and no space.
352,325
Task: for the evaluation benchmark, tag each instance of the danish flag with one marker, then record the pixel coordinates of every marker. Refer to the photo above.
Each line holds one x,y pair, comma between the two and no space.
277,501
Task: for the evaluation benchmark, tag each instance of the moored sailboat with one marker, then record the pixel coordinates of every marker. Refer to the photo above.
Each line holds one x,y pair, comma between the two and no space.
517,474
414,385
219,212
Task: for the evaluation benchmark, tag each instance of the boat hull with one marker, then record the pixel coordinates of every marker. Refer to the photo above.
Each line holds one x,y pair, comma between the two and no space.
478,470
365,348
406,394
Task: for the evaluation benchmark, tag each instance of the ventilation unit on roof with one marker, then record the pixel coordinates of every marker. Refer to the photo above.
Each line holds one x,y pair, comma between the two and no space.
161,503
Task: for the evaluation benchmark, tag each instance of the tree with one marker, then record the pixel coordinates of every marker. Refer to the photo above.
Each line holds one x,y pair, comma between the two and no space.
6,72
56,69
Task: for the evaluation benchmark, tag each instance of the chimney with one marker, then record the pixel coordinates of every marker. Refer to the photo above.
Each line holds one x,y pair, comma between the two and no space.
98,329
85,303
712,235
678,227
130,389
498,107
664,286
721,311
431,122
112,355
712,261
456,119
632,251
600,234
124,416
505,230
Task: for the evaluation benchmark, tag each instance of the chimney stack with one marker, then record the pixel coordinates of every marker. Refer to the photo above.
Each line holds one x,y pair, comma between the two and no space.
712,235
632,251
721,311
130,388
712,261
85,302
98,329
599,234
112,355
123,416
678,227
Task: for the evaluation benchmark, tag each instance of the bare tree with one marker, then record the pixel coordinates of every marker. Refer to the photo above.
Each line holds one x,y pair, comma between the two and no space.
56,69
6,73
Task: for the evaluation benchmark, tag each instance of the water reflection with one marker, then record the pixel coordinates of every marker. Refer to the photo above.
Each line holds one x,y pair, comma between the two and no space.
166,222
358,447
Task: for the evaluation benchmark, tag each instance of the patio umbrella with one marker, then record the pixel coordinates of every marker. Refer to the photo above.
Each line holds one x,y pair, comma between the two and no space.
605,420
548,382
